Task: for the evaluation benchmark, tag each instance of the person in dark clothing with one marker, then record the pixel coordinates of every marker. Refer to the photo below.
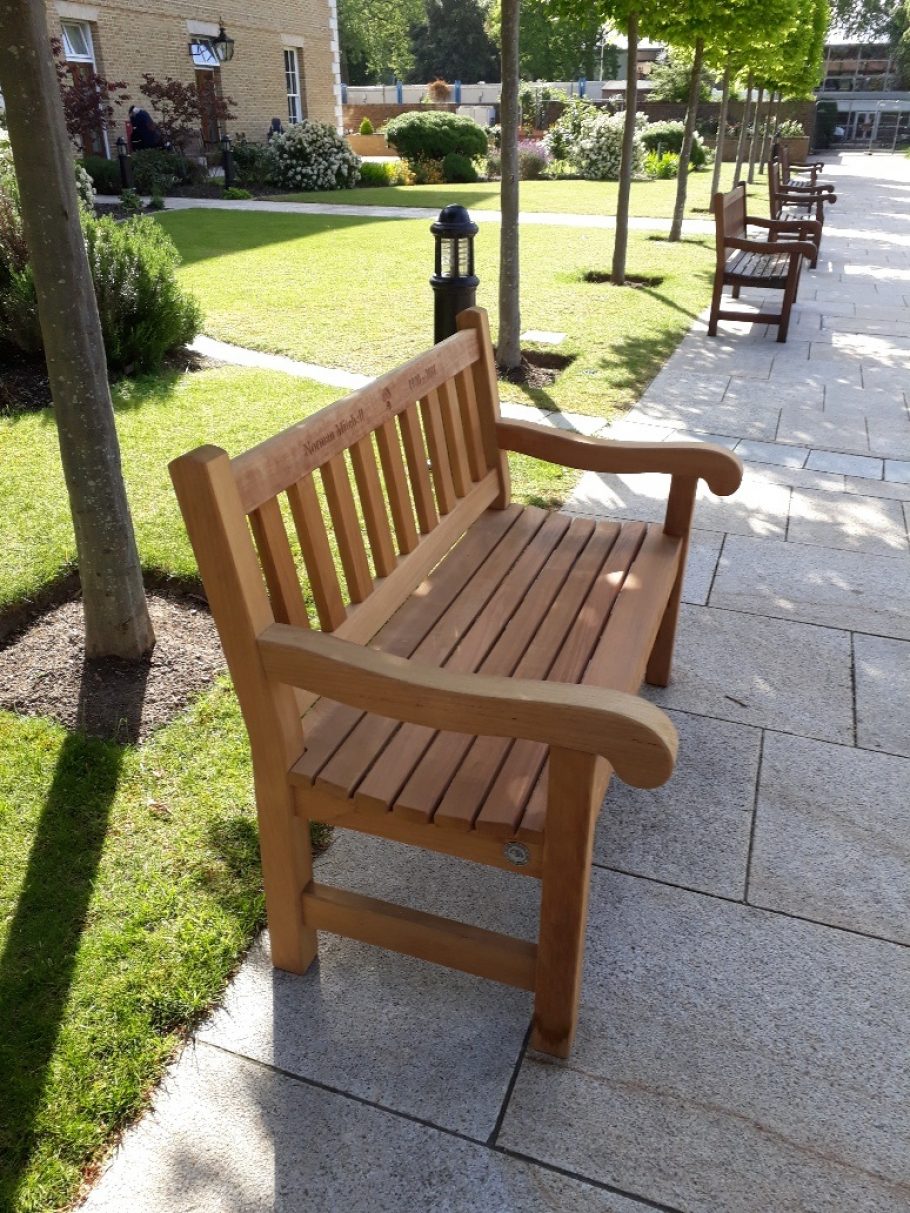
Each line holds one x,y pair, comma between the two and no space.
275,129
144,133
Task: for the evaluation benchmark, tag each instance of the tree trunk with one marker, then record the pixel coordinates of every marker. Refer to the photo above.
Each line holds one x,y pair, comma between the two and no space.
753,142
116,615
621,239
508,349
741,144
721,133
766,135
682,174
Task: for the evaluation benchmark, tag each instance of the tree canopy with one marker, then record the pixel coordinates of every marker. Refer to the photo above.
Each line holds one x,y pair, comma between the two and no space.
375,38
452,42
557,45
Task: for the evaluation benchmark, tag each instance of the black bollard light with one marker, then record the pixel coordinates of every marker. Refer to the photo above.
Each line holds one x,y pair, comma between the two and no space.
454,283
227,161
126,164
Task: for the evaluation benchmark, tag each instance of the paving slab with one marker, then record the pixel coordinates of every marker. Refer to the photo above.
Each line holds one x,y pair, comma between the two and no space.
760,671
728,1059
838,589
738,419
897,471
805,478
850,465
877,488
758,508
423,1055
229,1136
831,836
831,431
883,695
890,439
771,452
695,830
858,524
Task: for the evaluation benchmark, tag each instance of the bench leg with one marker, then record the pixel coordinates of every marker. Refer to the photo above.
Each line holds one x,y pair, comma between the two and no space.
680,508
287,868
735,291
789,297
568,845
715,303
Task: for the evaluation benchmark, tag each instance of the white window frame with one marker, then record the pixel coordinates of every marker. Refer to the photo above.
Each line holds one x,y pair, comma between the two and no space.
292,77
86,30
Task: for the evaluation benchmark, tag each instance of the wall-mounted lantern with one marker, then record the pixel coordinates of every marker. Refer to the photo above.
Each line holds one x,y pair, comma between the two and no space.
222,45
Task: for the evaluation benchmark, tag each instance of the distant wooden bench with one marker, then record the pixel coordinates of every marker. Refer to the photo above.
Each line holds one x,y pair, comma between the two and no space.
772,264
800,176
788,203
469,685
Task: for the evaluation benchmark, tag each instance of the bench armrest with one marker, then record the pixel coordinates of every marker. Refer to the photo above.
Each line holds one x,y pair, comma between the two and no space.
637,738
782,225
720,468
806,196
793,247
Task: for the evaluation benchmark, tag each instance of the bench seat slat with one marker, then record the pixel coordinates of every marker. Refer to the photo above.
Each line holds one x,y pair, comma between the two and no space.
380,786
468,575
455,772
528,607
591,623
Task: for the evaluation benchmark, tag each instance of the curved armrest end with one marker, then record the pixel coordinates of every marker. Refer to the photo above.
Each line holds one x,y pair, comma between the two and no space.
636,738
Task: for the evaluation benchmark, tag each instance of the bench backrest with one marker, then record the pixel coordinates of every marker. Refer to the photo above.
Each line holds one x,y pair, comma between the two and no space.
729,218
405,465
774,188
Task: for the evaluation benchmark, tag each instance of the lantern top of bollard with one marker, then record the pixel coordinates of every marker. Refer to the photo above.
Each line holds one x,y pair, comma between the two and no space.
454,220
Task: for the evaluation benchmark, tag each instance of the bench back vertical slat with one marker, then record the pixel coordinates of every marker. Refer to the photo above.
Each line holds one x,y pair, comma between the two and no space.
431,416
317,552
277,562
486,395
467,404
348,535
455,438
396,482
415,454
375,517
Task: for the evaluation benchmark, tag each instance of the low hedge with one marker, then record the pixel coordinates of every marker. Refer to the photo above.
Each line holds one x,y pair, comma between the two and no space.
431,135
668,137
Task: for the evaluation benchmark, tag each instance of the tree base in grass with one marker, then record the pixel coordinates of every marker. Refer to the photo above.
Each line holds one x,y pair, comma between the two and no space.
538,369
43,671
633,280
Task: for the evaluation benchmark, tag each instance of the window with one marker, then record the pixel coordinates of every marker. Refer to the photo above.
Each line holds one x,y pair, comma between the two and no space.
202,54
77,42
292,84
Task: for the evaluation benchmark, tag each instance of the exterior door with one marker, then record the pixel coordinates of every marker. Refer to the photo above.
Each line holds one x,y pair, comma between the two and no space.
208,107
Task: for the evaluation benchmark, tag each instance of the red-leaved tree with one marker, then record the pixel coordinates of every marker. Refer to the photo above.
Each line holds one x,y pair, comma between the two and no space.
178,108
88,99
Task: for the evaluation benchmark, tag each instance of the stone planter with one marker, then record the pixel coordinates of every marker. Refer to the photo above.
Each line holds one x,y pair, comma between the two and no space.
369,145
798,147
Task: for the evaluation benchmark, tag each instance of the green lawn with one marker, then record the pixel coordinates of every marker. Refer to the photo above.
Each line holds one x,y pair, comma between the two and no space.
353,293
650,199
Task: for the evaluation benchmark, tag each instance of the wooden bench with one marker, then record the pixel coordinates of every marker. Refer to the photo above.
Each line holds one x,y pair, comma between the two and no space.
469,684
788,203
772,264
799,176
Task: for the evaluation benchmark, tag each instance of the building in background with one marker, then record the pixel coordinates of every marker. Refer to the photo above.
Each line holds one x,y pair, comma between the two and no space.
284,64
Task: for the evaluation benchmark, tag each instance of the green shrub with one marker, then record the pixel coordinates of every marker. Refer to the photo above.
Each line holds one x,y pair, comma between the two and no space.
366,127
234,194
589,141
458,169
105,174
131,202
790,129
661,164
389,173
533,158
156,170
144,312
313,156
254,162
668,137
428,135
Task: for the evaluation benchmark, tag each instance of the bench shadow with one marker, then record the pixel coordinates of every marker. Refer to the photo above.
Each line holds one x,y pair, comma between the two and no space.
39,958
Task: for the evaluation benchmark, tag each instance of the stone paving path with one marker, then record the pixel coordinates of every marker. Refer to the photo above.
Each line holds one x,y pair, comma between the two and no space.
540,218
743,1042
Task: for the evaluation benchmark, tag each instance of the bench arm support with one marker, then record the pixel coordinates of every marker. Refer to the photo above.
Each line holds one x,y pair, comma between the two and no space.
718,467
805,227
635,737
804,247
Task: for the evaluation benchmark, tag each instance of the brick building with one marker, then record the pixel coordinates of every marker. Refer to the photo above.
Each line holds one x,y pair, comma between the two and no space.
285,62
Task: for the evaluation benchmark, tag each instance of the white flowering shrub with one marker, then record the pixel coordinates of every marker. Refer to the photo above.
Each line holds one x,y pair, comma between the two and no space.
312,156
589,140
85,189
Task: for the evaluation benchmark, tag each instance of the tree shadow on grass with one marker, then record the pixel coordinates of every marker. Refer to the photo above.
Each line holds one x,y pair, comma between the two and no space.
39,958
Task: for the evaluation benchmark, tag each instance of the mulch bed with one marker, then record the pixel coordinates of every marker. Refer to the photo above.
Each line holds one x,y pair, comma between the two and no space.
24,386
43,671
538,369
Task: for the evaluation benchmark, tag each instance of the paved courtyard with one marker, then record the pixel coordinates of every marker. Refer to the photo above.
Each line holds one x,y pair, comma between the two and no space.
743,1044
